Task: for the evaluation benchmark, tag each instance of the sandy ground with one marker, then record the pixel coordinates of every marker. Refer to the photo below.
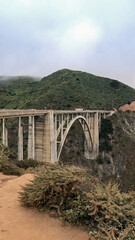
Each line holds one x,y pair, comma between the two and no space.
130,107
18,223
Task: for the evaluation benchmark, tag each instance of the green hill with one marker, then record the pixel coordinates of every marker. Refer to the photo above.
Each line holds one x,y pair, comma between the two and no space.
65,89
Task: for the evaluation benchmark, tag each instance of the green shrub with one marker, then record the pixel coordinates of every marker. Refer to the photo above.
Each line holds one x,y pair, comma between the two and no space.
82,200
9,169
105,146
115,84
106,128
6,166
9,165
78,153
100,160
27,163
106,131
107,160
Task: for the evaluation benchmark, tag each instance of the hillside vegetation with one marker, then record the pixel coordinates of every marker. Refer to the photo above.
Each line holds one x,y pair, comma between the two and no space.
65,89
116,158
122,154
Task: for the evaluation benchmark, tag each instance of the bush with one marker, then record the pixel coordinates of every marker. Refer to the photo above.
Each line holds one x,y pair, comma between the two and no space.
105,146
6,166
27,163
10,165
81,199
106,131
9,169
100,160
115,84
106,128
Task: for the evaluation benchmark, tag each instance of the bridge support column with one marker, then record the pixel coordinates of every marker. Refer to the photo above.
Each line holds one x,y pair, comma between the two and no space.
4,133
31,138
20,140
49,139
95,136
87,145
87,142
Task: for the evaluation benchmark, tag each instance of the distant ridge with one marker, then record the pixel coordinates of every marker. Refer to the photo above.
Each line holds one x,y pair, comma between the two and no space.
65,89
15,78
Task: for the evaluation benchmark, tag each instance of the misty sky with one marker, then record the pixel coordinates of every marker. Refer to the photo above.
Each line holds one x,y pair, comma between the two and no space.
38,37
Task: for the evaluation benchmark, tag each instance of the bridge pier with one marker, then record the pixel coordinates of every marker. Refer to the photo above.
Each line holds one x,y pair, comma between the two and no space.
95,135
87,145
91,148
87,142
31,138
49,139
4,133
20,140
53,156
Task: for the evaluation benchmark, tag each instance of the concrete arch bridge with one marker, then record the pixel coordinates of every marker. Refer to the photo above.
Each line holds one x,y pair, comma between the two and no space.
48,129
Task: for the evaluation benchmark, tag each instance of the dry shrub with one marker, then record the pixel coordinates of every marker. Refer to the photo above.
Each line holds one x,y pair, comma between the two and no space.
6,165
10,165
28,163
83,200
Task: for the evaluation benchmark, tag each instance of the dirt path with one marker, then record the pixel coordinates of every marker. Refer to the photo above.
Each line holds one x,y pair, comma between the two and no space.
18,223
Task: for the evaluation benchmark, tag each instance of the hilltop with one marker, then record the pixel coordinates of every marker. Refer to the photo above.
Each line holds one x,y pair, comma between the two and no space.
65,89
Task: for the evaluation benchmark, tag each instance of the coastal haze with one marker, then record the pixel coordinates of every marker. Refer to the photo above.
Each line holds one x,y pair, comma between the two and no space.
39,37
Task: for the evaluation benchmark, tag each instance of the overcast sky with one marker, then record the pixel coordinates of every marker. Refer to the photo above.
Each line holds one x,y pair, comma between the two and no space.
38,37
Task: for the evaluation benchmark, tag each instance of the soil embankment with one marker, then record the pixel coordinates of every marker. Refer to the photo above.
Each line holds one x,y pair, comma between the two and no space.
18,223
130,107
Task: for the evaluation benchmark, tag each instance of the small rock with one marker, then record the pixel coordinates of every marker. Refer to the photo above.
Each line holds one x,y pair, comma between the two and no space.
3,230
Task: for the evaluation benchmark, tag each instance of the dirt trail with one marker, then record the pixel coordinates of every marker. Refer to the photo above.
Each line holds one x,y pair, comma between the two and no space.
18,223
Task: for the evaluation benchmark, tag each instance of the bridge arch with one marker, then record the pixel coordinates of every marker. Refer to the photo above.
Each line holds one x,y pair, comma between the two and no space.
85,126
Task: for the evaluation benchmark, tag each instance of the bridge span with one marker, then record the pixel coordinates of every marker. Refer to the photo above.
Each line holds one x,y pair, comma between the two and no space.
48,129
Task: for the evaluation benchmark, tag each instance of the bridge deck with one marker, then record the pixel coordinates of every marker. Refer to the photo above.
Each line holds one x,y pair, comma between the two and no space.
10,113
